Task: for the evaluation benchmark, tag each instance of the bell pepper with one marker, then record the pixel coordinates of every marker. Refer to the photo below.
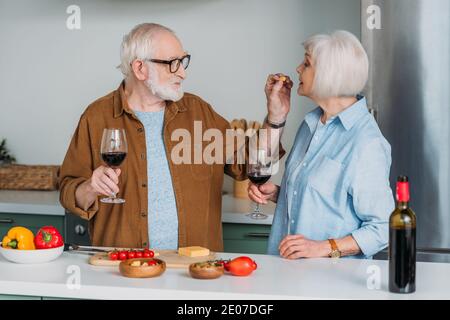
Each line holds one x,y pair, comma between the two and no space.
19,238
48,237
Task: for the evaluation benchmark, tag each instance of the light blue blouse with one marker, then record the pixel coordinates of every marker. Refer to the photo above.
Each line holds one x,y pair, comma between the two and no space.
336,182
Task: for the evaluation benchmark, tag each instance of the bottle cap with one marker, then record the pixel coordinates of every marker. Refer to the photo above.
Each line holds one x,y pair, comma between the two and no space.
402,191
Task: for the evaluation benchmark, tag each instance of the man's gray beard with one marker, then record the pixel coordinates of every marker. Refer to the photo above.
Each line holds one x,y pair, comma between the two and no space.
163,92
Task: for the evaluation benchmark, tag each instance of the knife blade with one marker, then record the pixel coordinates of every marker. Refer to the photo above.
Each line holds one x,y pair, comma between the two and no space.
92,249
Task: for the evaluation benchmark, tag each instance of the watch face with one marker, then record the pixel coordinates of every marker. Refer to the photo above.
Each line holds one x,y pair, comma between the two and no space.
335,254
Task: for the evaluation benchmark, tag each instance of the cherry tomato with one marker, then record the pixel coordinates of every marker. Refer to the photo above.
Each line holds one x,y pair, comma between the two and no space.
242,266
148,254
152,263
139,254
113,255
131,254
225,264
123,255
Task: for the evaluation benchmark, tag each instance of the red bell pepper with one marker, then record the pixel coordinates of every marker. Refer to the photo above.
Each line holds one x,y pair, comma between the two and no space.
48,237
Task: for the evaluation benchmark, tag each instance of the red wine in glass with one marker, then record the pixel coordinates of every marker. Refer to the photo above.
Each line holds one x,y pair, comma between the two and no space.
113,150
114,159
259,171
259,180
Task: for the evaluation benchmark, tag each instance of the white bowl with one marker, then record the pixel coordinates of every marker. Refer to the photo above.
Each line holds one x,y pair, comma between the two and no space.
31,256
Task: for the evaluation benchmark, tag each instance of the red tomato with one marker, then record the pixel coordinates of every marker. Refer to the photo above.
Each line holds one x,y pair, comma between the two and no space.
148,253
225,264
113,255
131,254
242,266
123,255
139,254
152,263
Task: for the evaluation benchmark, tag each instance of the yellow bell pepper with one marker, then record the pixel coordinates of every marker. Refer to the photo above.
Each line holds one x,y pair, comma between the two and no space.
19,238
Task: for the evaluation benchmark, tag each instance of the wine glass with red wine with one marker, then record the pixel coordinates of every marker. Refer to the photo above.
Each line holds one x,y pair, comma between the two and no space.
259,171
113,150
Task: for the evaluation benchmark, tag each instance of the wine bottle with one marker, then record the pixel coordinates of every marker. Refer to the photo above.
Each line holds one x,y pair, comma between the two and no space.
402,242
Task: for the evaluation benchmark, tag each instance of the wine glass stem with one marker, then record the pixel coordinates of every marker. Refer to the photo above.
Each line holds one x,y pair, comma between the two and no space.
257,208
114,194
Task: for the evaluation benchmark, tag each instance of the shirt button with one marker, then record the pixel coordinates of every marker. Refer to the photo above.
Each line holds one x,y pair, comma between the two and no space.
305,164
295,193
140,129
143,214
292,221
144,185
142,156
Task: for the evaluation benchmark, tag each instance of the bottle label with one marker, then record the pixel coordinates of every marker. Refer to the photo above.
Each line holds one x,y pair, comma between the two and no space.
402,191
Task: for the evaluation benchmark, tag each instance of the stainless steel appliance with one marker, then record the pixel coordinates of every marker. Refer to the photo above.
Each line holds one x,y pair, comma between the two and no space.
409,91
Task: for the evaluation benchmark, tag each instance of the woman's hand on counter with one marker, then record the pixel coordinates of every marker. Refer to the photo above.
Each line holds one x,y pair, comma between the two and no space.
297,246
264,193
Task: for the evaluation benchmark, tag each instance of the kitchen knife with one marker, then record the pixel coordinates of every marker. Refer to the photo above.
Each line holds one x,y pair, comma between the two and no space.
92,249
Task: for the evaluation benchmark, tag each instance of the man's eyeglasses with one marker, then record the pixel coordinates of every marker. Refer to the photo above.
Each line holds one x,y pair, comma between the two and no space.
174,64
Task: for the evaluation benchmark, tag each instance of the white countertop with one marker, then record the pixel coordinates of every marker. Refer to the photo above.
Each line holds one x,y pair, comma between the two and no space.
275,278
234,210
31,202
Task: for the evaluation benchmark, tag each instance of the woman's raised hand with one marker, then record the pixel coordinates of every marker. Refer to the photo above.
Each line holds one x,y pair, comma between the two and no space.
278,93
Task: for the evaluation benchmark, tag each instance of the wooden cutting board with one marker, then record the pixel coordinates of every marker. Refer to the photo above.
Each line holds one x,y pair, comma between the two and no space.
170,257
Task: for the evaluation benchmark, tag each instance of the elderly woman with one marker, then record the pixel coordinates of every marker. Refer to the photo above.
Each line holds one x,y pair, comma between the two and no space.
334,199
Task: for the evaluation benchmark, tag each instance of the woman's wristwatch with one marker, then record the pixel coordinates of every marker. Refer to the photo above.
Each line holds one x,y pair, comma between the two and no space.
274,125
335,253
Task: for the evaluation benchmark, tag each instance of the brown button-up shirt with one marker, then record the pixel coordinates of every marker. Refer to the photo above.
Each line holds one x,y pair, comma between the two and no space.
197,187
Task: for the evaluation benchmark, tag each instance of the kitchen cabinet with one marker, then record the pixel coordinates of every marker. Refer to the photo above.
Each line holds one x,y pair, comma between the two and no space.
34,209
245,238
30,221
237,237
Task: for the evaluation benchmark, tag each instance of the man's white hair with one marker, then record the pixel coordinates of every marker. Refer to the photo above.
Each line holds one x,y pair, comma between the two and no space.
138,44
341,64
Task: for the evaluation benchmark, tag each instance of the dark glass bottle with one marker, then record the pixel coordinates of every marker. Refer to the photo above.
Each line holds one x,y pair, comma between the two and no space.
402,242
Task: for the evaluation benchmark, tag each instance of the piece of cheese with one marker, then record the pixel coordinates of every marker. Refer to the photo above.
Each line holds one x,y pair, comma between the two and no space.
194,251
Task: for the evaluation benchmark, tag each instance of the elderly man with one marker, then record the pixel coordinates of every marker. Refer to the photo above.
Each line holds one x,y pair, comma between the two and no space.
168,205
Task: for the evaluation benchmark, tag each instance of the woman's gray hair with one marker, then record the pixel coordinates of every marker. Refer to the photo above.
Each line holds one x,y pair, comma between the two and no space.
138,44
341,64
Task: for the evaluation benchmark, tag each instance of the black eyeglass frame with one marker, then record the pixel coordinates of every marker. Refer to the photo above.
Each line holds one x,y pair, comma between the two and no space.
169,62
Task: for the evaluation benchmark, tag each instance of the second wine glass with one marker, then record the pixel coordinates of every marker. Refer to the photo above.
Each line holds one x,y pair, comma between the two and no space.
114,150
259,171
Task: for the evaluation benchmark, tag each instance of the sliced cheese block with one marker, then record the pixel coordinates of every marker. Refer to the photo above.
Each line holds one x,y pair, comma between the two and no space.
194,251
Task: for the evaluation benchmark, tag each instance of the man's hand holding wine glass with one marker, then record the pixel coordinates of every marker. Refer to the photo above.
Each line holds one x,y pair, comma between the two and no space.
105,181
